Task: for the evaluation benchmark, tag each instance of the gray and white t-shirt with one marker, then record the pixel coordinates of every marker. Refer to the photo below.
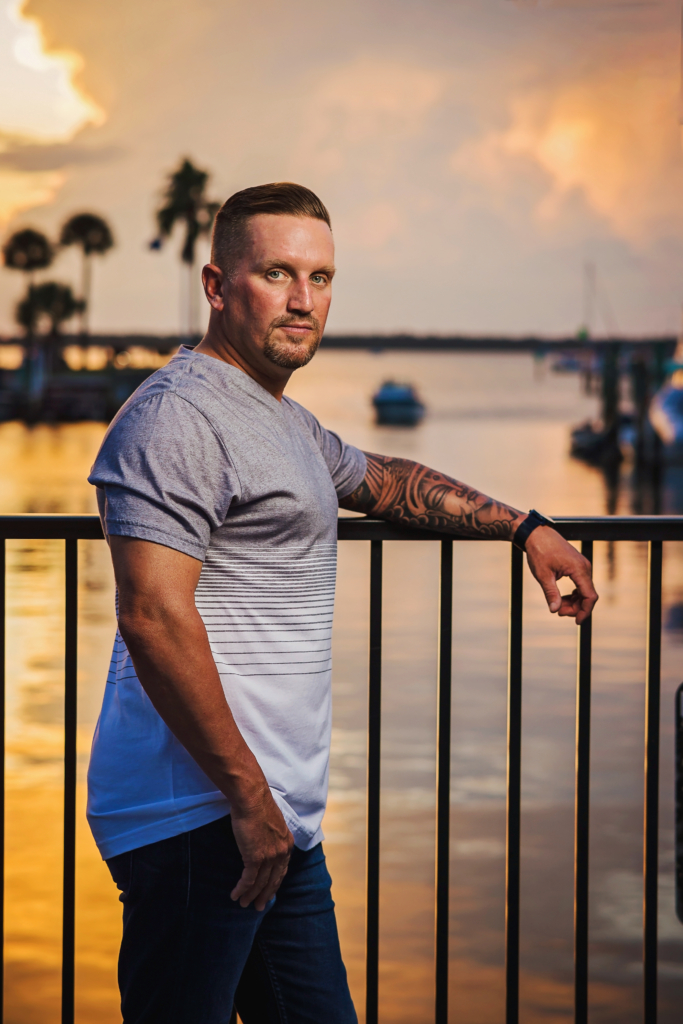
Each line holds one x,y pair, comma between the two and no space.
204,460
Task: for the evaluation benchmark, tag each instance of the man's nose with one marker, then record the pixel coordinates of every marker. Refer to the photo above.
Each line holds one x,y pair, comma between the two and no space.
300,296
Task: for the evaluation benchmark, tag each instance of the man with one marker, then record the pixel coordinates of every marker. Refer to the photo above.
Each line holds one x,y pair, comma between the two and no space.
219,499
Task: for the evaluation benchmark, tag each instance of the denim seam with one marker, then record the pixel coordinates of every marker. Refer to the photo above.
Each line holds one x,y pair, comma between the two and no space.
261,944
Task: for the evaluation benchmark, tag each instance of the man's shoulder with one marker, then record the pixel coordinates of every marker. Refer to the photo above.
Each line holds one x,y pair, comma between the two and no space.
184,383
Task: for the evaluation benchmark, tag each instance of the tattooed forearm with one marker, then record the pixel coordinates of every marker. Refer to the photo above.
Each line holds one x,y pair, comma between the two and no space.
414,495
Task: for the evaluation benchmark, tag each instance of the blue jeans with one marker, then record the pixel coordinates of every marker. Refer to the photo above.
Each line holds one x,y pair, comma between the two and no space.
189,952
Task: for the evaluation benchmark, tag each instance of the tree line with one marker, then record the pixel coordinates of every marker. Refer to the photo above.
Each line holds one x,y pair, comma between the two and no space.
51,303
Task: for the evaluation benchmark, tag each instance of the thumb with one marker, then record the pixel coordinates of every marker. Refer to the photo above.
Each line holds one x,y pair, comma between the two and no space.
552,592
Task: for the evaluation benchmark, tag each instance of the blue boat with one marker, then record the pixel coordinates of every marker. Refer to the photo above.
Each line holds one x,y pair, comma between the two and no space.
397,405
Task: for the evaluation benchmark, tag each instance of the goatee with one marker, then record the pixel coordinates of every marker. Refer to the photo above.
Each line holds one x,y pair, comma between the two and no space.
292,354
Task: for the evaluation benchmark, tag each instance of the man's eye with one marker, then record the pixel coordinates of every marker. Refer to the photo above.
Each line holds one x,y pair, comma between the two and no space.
274,273
317,278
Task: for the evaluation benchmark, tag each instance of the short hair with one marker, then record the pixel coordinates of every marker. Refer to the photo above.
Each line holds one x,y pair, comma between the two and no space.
279,197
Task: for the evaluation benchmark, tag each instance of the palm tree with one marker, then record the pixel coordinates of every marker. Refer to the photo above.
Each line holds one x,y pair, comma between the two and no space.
94,236
28,251
185,201
52,300
56,303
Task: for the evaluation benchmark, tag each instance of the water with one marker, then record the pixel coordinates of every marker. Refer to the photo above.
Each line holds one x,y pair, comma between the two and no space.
501,423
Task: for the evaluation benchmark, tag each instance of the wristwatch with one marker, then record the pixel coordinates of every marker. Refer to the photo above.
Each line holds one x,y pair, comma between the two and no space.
533,520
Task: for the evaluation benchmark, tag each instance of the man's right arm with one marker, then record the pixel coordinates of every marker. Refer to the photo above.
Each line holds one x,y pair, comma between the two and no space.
169,646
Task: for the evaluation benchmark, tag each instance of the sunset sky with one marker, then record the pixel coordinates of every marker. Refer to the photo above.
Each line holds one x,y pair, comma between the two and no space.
474,154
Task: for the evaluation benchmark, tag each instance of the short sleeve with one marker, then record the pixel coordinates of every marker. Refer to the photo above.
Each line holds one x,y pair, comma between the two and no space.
347,465
164,475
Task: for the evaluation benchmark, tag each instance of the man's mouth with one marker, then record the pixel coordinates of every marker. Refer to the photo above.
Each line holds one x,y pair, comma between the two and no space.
296,329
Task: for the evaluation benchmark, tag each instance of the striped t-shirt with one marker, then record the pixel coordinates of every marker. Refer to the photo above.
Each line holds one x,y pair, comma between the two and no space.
204,460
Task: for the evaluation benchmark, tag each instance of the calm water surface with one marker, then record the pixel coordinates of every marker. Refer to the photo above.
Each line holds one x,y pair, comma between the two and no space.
499,422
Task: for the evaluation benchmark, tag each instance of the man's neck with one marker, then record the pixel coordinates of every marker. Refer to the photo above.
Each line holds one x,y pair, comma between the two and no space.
216,343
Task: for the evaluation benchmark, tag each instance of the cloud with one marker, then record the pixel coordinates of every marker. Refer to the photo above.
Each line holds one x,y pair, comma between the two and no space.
481,151
20,191
40,112
38,97
30,156
611,138
368,107
373,226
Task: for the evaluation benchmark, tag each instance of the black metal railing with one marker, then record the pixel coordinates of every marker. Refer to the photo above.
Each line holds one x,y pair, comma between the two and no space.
651,529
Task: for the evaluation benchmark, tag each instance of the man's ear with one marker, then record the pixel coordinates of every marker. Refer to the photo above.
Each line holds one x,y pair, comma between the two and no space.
213,280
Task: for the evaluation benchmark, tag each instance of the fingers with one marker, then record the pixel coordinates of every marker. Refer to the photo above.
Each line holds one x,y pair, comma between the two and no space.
584,596
260,880
551,591
571,605
258,884
274,883
251,884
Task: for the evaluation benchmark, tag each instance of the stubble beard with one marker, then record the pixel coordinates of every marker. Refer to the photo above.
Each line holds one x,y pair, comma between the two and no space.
289,354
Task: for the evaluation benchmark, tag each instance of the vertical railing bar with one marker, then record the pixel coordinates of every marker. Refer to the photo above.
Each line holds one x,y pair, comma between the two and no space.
70,718
678,718
373,822
514,791
582,811
443,781
651,822
3,634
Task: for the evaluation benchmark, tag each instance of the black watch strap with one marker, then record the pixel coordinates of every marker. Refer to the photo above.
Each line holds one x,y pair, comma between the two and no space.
533,520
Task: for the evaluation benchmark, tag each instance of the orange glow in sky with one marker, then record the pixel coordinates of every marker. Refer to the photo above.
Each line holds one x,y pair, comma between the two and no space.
38,103
474,156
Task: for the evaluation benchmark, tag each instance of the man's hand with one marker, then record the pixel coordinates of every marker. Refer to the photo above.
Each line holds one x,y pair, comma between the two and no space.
551,557
266,844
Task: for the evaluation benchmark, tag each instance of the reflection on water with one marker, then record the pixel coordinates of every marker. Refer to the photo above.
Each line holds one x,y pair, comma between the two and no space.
496,423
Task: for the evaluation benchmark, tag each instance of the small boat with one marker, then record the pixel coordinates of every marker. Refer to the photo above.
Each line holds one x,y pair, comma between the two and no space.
567,362
397,405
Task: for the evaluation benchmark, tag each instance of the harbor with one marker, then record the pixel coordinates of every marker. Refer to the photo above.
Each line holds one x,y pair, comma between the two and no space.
494,418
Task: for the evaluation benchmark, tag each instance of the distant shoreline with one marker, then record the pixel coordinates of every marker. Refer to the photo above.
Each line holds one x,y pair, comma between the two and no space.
379,342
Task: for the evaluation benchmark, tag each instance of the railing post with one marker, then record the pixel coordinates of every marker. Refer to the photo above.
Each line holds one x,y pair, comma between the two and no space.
651,823
582,812
678,718
514,791
443,780
3,634
374,741
70,717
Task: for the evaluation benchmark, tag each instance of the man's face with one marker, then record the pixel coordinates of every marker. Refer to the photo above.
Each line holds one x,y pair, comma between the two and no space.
277,299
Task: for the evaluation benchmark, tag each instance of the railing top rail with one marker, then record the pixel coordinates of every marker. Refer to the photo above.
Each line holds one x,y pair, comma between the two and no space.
56,526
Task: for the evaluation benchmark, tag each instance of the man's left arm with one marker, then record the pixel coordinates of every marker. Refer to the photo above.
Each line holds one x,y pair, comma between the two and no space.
414,495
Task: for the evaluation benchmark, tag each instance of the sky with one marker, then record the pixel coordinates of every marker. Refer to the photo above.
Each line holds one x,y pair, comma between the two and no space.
474,154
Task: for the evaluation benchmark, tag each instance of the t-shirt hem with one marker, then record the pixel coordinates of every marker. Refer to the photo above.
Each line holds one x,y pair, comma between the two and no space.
306,841
155,831
116,528
158,830
356,479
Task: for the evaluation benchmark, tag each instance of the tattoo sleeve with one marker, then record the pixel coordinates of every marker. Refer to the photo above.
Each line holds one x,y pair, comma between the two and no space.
411,494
